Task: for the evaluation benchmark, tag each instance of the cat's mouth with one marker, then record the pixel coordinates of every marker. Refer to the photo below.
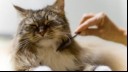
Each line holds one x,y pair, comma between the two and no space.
66,43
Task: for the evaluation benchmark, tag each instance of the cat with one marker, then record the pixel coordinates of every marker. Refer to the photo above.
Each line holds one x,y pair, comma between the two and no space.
40,38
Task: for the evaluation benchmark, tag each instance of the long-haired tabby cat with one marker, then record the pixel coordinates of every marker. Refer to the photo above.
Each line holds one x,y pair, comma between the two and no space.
39,40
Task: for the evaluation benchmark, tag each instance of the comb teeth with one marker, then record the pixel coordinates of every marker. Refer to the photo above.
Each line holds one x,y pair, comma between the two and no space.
74,36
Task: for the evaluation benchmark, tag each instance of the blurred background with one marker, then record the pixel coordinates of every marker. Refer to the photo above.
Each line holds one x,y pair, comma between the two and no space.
115,9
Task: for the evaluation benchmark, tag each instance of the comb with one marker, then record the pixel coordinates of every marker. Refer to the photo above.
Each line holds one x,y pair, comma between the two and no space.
66,43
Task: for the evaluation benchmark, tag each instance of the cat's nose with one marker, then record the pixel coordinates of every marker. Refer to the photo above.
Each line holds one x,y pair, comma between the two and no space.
42,32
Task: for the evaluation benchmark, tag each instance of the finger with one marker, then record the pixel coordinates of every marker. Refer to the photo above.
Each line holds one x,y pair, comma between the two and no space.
101,18
86,24
86,17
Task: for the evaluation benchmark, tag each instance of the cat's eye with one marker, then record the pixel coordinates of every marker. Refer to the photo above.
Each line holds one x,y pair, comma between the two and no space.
33,27
52,24
30,28
26,28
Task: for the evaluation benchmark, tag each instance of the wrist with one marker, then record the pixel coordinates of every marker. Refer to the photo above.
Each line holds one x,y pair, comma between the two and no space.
122,36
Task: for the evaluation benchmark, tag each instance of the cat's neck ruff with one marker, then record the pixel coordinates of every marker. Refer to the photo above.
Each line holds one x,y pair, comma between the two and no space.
55,59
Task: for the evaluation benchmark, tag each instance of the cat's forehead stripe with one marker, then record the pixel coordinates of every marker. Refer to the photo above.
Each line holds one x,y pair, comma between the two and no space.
43,13
29,21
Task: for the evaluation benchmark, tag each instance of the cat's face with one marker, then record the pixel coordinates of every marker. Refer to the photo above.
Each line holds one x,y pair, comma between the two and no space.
47,23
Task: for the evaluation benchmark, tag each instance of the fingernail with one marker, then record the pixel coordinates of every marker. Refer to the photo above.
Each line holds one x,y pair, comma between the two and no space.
77,32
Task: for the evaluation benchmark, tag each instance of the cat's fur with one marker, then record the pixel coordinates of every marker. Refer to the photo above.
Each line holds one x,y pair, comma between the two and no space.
39,37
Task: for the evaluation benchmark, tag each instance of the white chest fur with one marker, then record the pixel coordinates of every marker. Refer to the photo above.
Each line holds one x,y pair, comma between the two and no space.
56,60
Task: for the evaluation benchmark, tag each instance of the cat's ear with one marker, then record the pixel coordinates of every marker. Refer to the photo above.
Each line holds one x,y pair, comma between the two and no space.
23,12
59,5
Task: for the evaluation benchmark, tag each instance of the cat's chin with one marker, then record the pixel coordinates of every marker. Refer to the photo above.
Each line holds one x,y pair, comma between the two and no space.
47,43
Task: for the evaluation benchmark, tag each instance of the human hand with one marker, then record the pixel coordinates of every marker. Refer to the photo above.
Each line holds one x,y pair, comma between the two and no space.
106,29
